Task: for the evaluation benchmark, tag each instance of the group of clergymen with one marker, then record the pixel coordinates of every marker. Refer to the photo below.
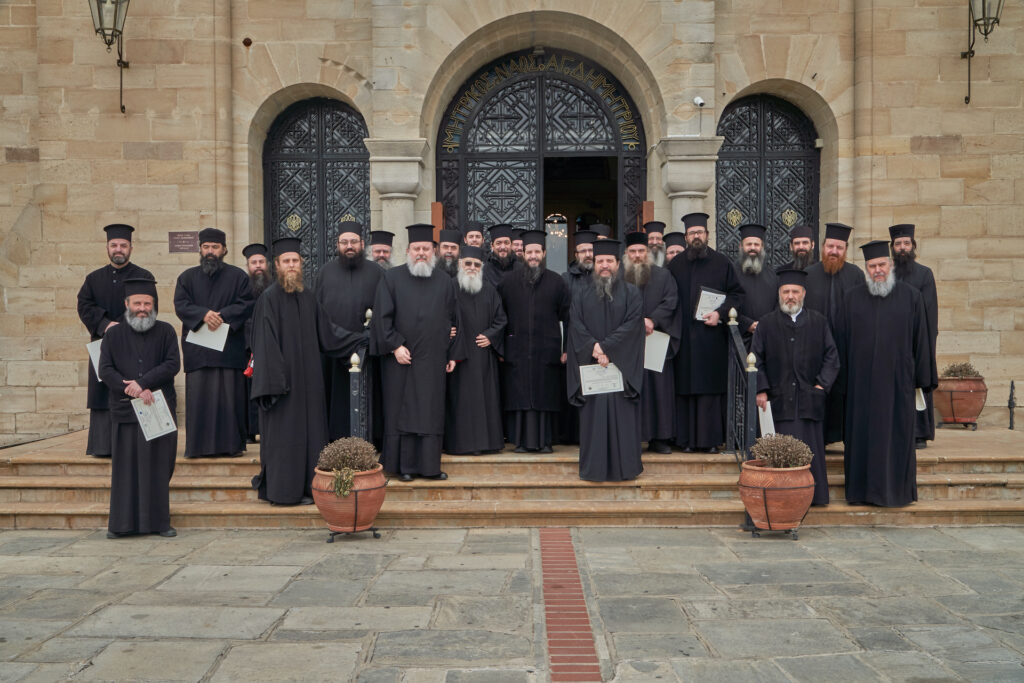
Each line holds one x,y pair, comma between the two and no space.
469,347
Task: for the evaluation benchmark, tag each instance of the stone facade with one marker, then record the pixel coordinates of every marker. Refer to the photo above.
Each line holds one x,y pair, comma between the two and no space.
882,81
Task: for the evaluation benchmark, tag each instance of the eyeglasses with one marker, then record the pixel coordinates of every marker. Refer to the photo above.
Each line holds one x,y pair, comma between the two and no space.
349,243
701,231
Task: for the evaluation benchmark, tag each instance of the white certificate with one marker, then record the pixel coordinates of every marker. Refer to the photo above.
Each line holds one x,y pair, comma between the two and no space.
766,419
155,419
655,350
94,355
212,340
710,300
597,380
919,400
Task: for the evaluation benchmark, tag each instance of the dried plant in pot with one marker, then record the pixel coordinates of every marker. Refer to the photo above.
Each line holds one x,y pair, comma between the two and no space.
961,394
777,486
348,485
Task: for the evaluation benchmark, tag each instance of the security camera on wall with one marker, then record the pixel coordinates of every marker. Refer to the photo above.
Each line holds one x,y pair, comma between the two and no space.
699,101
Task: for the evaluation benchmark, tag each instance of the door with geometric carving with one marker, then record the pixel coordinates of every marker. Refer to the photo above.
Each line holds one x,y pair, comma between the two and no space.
767,173
316,173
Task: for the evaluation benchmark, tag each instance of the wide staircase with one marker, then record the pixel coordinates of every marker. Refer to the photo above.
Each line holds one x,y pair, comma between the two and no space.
963,478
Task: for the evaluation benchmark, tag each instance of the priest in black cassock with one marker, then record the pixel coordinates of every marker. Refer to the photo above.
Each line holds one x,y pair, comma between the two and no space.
655,231
517,243
501,260
473,235
760,286
660,313
907,269
345,287
289,332
607,326
380,247
801,247
448,242
212,294
576,276
827,284
473,419
675,244
602,231
536,301
701,366
259,279
413,315
100,308
797,362
884,353
138,359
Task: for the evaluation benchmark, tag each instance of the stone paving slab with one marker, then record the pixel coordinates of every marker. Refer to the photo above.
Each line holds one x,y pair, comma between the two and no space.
164,661
288,662
179,622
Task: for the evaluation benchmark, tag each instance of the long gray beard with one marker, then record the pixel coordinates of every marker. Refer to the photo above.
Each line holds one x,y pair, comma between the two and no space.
531,274
603,286
140,325
657,254
259,282
384,263
211,265
790,309
881,289
586,266
423,268
752,265
801,261
450,265
638,274
470,284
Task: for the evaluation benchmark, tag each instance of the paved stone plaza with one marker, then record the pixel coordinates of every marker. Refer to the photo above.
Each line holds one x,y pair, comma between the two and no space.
850,604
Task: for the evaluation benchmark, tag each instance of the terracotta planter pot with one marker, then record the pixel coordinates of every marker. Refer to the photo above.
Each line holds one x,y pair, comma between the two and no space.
357,510
960,400
776,498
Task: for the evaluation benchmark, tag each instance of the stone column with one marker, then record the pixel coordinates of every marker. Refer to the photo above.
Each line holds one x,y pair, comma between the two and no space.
688,173
396,168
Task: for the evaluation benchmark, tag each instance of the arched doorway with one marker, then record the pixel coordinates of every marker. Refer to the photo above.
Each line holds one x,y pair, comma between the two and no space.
540,132
316,171
767,173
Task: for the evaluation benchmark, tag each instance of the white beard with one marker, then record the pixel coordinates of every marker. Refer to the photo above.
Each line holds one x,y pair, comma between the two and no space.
790,309
657,255
471,284
752,265
423,268
884,288
140,324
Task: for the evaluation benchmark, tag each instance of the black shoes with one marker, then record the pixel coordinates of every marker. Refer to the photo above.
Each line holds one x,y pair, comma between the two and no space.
405,477
520,449
169,532
659,446
546,449
920,444
440,476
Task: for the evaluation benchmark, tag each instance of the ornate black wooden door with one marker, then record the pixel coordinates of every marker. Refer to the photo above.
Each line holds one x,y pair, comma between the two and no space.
767,173
316,173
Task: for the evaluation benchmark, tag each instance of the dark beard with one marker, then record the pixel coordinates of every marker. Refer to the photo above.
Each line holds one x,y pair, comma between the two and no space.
902,262
752,265
211,264
532,274
450,266
693,252
801,261
503,262
350,262
259,281
291,282
638,274
603,285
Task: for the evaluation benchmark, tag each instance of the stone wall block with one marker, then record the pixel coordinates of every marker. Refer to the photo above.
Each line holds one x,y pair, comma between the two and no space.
40,373
146,197
17,399
53,400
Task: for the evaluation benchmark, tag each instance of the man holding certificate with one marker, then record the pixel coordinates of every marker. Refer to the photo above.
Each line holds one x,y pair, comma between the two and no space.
606,369
138,360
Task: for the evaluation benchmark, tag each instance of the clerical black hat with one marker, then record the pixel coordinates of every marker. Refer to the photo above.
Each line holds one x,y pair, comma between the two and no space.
792,276
801,231
654,226
901,230
350,226
517,234
453,236
675,238
635,238
601,229
212,235
585,237
382,237
875,249
534,237
752,230
501,230
254,249
468,251
140,285
474,226
608,248
838,231
285,245
693,220
119,231
420,232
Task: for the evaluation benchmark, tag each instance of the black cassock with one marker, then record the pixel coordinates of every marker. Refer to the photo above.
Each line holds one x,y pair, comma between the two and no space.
345,294
658,399
418,313
101,302
793,358
609,423
532,378
140,470
921,278
289,332
215,399
760,297
252,412
825,295
884,354
473,420
493,270
567,428
701,365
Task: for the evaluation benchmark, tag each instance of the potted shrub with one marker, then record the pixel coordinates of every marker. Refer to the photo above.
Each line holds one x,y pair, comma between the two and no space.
777,486
348,486
960,396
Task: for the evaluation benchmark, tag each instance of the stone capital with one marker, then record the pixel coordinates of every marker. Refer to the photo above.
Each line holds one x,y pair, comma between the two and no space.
396,166
688,171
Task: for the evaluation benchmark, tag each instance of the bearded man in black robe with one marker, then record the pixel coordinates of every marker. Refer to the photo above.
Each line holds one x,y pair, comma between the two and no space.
797,362
474,234
907,269
448,251
675,244
501,260
380,248
212,294
259,279
801,247
345,288
473,419
517,243
289,332
100,308
655,231
536,301
414,315
702,364
827,284
883,349
138,359
607,326
577,277
660,297
760,286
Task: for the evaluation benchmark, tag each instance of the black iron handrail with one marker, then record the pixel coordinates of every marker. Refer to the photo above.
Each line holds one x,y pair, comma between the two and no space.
741,413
